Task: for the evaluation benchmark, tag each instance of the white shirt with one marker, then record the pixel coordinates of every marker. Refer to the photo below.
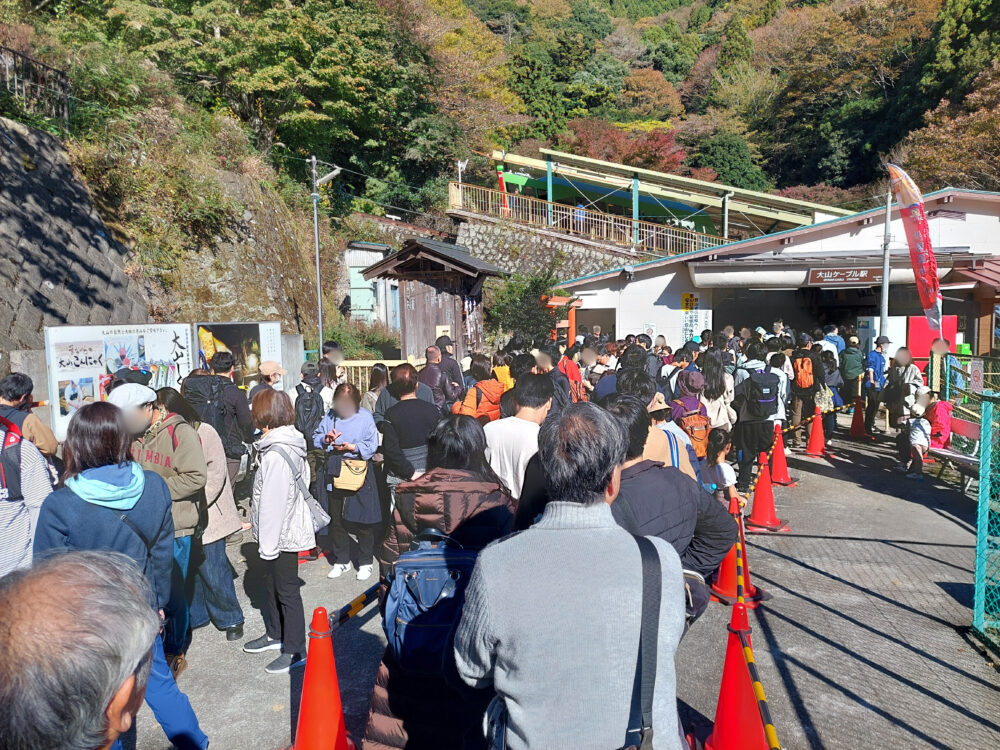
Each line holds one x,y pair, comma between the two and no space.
829,346
920,432
510,444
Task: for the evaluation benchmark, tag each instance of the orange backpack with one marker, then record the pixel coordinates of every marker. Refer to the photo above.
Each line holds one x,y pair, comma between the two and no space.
697,426
803,367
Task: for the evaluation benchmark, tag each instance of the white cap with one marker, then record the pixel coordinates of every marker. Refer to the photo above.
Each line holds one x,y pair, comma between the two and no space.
131,396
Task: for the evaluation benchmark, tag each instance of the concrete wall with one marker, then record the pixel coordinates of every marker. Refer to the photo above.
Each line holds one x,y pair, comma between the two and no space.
650,302
521,249
58,263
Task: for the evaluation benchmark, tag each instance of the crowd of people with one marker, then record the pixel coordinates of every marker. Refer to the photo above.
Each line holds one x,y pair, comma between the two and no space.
549,462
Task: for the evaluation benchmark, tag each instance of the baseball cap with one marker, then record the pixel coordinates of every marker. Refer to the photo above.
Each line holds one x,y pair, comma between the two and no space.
882,340
131,396
853,341
443,341
270,367
127,374
309,369
805,338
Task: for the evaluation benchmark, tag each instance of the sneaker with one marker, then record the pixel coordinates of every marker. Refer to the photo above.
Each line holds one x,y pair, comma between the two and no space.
263,643
915,477
285,662
177,664
338,570
364,572
309,555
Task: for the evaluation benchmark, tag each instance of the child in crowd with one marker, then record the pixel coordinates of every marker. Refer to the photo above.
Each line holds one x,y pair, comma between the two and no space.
918,431
716,472
938,415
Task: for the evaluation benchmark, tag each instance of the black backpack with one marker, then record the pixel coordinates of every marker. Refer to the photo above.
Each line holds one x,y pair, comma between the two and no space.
204,393
760,395
309,411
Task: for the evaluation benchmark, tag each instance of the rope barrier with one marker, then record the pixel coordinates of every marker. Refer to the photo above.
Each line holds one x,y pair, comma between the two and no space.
354,607
770,732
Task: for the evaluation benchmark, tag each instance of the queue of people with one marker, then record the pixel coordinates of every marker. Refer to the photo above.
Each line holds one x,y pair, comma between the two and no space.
522,464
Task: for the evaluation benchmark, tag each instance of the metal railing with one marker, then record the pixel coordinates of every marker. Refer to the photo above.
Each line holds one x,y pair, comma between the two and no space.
38,88
359,370
643,237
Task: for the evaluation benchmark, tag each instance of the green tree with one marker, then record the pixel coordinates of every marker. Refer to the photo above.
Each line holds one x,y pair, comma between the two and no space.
730,156
737,46
965,42
515,305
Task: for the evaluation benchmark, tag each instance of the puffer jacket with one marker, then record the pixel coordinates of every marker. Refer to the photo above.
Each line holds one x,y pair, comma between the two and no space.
427,711
482,401
172,449
279,516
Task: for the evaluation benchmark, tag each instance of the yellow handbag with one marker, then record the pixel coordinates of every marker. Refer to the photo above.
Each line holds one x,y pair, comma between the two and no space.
352,475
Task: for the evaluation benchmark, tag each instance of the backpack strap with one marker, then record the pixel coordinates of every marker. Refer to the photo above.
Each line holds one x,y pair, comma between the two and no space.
142,537
674,449
296,472
639,732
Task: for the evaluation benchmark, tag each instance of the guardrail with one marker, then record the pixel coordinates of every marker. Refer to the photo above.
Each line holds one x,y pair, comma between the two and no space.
643,237
38,87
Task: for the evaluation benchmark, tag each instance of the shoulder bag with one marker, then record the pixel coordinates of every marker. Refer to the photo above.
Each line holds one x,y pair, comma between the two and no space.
320,517
350,475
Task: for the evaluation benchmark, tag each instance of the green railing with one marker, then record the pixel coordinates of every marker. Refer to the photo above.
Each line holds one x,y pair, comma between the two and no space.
986,608
972,384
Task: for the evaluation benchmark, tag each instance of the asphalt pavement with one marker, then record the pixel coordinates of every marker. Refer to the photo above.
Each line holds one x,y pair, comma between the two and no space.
865,642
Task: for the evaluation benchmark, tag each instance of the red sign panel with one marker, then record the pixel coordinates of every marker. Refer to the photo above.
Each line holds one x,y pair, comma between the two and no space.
844,276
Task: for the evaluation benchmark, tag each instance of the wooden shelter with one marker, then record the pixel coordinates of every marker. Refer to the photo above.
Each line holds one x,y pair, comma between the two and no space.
440,291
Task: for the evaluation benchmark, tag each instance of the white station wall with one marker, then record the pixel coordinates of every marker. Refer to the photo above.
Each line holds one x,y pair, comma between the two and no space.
664,303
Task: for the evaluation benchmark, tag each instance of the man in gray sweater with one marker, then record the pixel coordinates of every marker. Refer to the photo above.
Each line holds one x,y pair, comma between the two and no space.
551,617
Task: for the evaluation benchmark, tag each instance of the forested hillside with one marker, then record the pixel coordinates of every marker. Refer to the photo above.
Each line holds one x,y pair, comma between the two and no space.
802,96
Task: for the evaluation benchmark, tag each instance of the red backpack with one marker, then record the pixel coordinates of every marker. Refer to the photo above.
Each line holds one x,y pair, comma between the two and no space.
10,462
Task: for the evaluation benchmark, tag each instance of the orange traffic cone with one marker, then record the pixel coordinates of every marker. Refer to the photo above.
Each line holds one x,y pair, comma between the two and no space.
858,431
724,589
321,715
738,725
779,473
763,518
817,441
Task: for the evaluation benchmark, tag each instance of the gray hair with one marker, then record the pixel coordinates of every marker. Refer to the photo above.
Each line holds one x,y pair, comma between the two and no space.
72,630
580,450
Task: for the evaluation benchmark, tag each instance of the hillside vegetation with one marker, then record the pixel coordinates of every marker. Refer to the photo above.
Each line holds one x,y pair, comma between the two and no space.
801,96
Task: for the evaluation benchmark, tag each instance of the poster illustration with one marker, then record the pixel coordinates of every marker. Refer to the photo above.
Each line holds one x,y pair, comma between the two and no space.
249,343
82,359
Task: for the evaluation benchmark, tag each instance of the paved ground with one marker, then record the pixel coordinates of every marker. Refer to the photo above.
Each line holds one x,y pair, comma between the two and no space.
863,645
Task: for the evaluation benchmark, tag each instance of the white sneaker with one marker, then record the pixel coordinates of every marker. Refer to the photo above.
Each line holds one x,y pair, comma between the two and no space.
338,570
364,572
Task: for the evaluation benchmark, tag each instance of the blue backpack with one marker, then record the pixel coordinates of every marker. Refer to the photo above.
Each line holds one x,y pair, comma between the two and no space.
424,603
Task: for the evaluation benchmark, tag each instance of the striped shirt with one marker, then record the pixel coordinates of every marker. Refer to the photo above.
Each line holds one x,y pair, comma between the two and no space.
18,518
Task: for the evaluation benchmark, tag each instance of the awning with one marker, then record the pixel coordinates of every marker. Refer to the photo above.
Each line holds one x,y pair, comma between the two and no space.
984,272
817,270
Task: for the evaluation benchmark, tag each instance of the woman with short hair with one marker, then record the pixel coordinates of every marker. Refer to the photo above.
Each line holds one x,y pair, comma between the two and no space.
350,438
282,524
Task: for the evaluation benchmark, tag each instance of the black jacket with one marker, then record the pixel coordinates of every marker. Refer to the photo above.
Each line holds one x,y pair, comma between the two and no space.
819,372
561,396
453,371
434,378
407,424
237,424
658,500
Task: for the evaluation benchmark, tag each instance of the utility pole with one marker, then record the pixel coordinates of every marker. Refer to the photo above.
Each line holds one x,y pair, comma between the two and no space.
884,312
317,183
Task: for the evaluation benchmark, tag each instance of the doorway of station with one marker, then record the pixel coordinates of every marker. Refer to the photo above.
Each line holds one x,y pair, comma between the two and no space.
602,316
802,309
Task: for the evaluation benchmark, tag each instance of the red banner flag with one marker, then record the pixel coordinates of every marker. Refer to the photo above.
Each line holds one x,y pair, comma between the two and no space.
925,271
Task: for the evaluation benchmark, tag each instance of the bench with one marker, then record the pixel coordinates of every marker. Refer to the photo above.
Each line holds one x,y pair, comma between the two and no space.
964,463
